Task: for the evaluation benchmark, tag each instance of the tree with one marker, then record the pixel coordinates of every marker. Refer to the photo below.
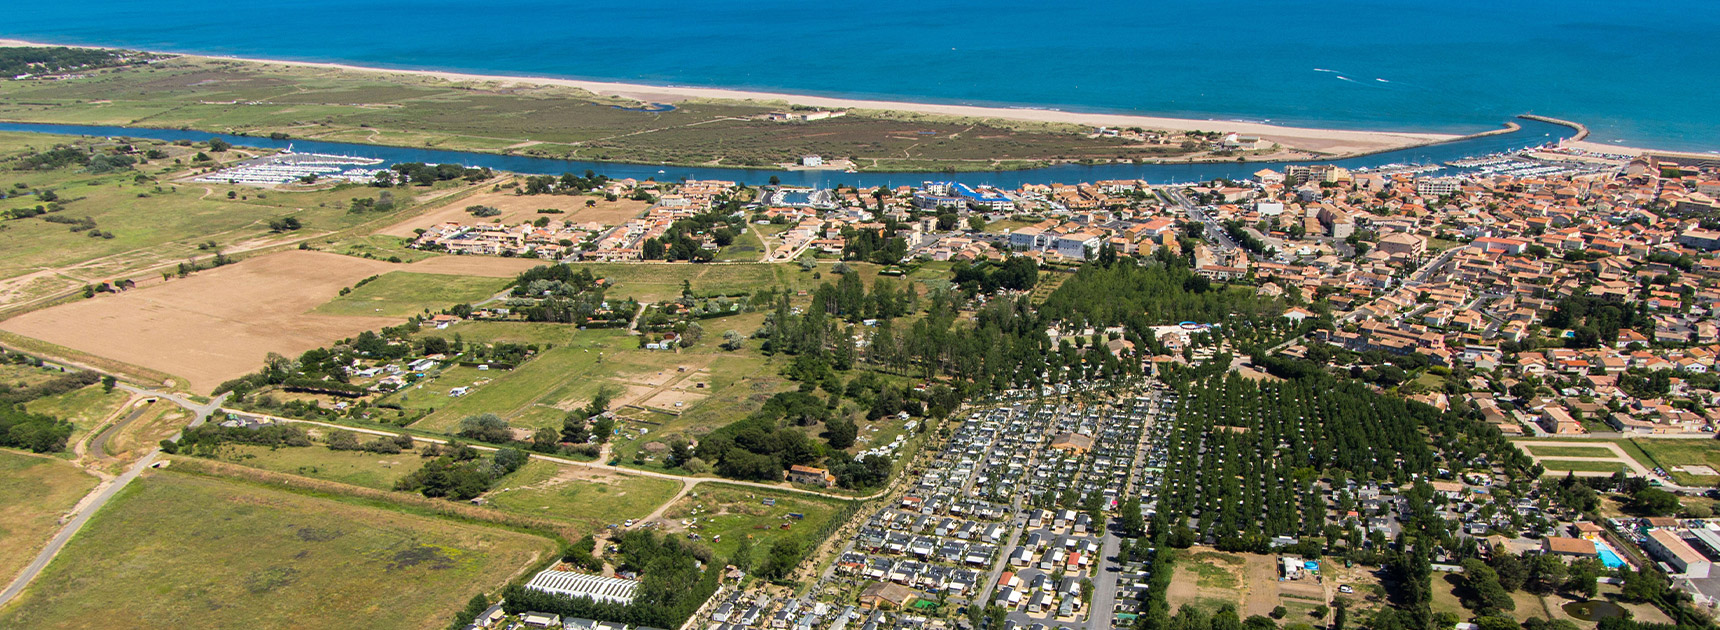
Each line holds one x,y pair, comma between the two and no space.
679,451
780,560
546,440
603,428
743,554
218,145
509,459
1654,502
487,427
841,432
573,428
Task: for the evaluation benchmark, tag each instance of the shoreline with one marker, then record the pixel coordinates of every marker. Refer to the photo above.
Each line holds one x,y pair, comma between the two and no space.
1332,143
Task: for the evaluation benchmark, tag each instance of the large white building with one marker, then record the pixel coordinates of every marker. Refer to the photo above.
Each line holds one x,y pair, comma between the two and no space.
597,587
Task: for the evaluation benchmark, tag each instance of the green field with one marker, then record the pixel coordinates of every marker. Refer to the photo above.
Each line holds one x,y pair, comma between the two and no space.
359,468
1670,453
404,294
1562,465
746,248
181,551
34,491
734,512
575,494
377,246
153,220
656,282
1571,451
575,365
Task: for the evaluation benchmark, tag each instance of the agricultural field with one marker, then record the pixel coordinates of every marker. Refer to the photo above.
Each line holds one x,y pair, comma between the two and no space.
265,558
359,468
237,313
36,491
404,294
734,512
545,121
588,497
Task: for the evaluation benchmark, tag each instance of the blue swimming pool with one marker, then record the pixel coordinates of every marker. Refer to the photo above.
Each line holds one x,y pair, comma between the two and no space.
1608,557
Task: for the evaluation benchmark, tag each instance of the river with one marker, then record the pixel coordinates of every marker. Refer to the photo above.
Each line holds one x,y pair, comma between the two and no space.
1532,133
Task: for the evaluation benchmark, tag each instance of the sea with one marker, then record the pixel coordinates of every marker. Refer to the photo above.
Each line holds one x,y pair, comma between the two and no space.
1637,73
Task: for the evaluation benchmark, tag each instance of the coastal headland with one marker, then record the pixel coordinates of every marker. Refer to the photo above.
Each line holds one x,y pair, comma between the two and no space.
603,121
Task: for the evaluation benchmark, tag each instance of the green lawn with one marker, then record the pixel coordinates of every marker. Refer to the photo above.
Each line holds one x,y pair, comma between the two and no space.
1562,465
182,551
734,512
371,470
592,498
35,491
1571,451
403,294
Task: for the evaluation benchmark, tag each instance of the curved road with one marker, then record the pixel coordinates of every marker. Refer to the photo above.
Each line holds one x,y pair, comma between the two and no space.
102,494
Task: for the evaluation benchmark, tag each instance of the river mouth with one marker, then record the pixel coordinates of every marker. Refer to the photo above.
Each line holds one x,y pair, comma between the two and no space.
1593,610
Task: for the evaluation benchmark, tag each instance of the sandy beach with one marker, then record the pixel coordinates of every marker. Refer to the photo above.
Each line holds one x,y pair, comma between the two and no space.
1335,142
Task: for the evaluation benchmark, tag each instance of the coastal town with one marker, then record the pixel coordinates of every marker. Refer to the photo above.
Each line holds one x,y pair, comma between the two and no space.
355,365
1551,294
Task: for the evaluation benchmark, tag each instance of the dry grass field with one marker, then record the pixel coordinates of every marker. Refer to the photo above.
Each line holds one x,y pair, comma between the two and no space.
184,551
518,208
216,324
35,490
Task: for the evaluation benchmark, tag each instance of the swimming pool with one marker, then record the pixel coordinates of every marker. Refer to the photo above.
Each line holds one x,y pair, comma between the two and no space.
1608,556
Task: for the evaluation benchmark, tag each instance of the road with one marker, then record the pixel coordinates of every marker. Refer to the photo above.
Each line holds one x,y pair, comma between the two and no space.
1101,609
102,494
1215,234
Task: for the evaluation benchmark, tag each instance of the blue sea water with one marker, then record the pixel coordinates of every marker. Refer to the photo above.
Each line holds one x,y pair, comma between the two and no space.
1638,72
